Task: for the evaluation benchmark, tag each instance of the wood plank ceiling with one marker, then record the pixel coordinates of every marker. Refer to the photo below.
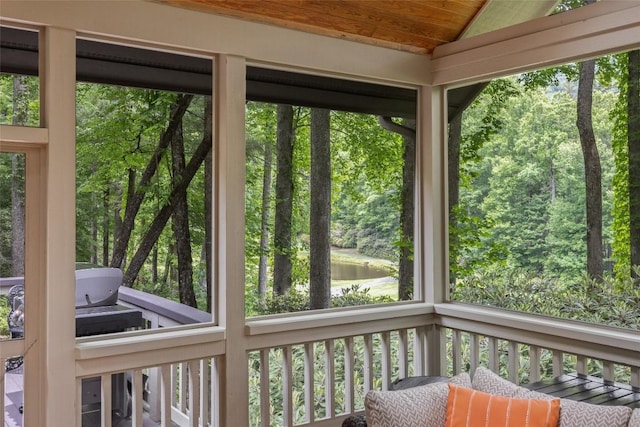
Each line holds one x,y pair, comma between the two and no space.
410,25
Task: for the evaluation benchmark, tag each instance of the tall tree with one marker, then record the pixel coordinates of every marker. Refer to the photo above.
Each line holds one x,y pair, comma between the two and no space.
592,169
20,114
208,226
264,220
282,262
405,267
633,130
136,194
320,212
181,232
160,220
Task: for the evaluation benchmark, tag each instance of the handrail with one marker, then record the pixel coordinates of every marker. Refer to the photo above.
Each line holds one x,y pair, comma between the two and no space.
572,336
179,313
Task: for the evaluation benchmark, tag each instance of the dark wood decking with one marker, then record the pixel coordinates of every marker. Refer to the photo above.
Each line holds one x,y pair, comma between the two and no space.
589,390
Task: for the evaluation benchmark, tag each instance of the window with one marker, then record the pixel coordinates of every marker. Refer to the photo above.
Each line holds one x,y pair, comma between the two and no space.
329,192
536,224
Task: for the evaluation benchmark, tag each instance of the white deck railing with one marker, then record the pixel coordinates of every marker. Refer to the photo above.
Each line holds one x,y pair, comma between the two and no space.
314,369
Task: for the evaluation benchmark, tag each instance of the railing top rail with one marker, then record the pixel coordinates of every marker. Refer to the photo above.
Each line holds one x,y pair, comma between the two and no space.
604,342
180,313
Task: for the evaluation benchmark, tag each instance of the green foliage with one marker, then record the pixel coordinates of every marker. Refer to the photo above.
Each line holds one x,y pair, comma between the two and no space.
5,308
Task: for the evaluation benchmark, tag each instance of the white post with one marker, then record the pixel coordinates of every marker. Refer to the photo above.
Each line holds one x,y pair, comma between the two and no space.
57,303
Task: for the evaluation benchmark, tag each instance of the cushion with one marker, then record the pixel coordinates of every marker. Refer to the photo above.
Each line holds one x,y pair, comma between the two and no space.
634,421
423,406
572,413
473,408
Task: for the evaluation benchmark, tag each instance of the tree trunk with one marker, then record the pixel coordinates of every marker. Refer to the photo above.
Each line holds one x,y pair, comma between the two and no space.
284,201
455,139
633,131
592,170
181,233
405,271
320,210
136,196
20,113
153,232
264,226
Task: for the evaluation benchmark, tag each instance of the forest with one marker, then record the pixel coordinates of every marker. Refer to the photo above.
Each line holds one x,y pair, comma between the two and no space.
531,220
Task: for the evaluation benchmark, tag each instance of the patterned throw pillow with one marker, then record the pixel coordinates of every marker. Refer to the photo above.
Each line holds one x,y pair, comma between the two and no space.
473,408
634,421
572,413
423,406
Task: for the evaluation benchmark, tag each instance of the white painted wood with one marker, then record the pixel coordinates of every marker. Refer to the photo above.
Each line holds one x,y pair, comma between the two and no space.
474,351
349,384
368,363
205,391
534,364
321,319
79,399
586,32
557,362
57,310
574,337
420,351
287,386
330,379
2,385
309,382
265,389
494,354
105,398
635,376
608,371
456,351
183,387
207,32
229,155
136,398
403,354
581,365
155,383
514,362
436,353
166,391
11,348
431,242
193,369
23,135
385,358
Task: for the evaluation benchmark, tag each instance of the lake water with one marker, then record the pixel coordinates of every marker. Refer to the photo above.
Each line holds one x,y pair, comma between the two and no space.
347,271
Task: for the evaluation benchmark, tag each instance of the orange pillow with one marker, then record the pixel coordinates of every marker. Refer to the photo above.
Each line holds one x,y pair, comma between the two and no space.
471,408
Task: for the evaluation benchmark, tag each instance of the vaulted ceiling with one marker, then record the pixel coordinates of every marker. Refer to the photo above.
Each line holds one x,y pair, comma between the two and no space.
417,26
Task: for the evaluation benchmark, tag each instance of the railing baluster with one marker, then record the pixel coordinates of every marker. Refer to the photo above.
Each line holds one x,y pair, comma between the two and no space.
581,365
174,386
494,354
420,351
166,392
184,385
403,354
287,385
456,352
558,362
368,362
349,387
78,397
265,392
194,392
105,396
2,389
205,397
154,399
309,383
385,351
474,351
136,398
330,380
514,362
534,364
608,371
635,376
